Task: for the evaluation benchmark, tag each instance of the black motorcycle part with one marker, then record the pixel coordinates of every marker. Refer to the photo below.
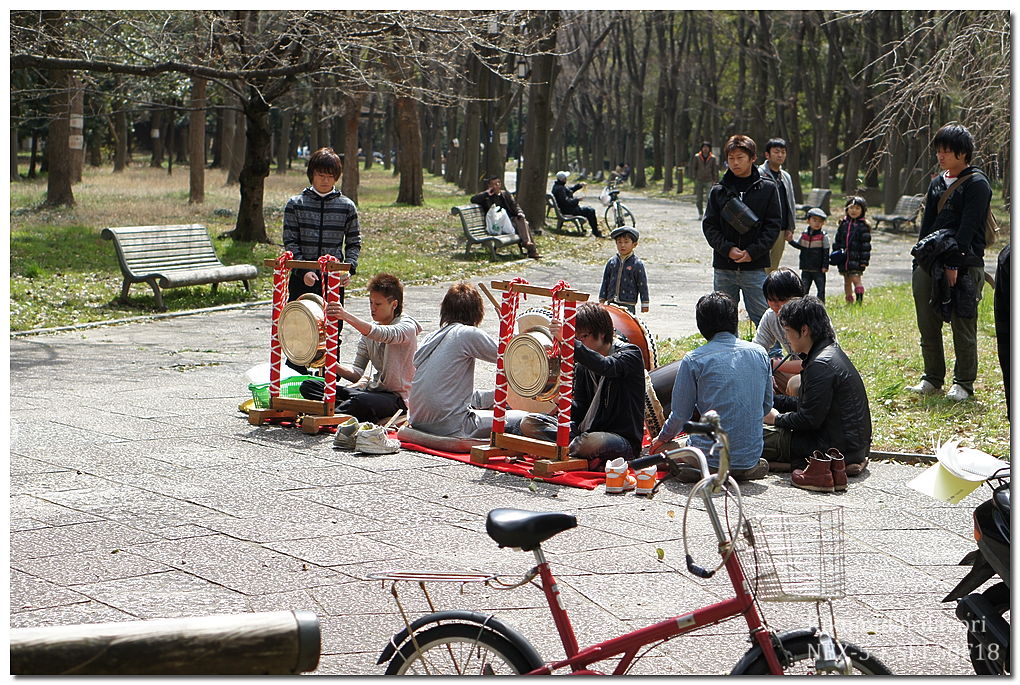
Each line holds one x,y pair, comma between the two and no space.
987,630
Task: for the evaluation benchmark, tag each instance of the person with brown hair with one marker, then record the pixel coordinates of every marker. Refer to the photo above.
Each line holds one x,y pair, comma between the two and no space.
495,194
742,221
321,221
442,399
388,342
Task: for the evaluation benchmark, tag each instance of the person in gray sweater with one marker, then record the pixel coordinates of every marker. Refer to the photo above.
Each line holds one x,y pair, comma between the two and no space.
388,342
443,400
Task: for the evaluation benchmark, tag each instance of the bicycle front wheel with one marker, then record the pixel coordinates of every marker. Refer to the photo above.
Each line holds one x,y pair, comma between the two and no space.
803,652
458,649
618,215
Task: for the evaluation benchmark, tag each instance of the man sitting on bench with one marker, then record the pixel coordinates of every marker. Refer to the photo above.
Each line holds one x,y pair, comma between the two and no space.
568,204
495,194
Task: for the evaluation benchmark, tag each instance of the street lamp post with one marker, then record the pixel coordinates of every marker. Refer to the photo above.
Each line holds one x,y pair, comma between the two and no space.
522,72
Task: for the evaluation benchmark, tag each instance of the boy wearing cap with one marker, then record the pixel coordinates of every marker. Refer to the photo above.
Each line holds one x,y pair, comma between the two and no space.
623,279
814,253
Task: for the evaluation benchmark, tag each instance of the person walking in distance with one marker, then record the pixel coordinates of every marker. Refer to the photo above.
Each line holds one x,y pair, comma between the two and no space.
704,170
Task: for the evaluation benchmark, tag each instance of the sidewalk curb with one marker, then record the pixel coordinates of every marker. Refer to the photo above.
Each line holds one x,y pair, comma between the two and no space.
136,319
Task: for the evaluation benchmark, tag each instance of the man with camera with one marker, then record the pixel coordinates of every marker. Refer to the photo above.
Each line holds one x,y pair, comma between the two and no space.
742,221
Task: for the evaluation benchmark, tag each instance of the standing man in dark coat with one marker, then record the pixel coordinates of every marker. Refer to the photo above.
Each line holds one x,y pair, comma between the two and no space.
704,171
741,240
964,214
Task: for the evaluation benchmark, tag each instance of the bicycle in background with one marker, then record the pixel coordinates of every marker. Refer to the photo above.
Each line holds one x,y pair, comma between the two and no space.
617,214
796,557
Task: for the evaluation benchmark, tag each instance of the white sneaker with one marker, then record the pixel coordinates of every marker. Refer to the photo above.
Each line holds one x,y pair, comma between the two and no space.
958,393
345,432
374,441
924,388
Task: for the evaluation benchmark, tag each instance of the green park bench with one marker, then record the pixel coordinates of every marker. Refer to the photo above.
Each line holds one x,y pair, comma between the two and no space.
472,220
171,257
561,218
905,212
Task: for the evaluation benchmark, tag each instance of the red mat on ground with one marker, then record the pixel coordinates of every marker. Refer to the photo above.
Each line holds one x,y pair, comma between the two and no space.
521,466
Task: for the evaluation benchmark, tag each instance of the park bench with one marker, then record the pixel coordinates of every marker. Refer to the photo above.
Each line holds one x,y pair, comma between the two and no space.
472,220
561,218
905,212
817,197
170,257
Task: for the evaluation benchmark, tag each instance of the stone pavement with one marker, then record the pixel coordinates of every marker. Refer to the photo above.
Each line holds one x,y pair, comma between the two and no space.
138,491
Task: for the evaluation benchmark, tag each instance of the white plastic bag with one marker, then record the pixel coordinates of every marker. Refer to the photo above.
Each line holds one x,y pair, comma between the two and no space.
498,222
604,197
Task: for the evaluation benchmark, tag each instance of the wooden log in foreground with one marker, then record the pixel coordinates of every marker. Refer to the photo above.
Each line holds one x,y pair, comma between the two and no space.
279,642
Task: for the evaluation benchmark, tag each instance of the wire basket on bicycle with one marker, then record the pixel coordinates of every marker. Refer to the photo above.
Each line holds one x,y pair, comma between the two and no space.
799,557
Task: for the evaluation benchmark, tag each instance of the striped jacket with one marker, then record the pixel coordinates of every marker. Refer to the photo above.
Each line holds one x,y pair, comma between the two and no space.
315,225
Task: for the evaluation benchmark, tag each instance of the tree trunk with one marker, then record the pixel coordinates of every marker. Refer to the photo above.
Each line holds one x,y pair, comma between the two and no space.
239,148
409,152
469,171
14,151
536,139
58,152
370,134
452,171
76,130
171,140
251,221
352,174
156,136
387,133
314,143
283,142
196,142
120,136
33,156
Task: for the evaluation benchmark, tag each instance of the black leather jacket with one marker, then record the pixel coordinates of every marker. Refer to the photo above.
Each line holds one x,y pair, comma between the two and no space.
965,213
832,410
763,199
564,195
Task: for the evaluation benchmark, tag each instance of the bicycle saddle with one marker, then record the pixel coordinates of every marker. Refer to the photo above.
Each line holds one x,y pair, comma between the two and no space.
526,529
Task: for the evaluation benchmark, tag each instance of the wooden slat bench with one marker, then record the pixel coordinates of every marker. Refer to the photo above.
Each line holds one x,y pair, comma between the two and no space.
905,212
561,218
170,257
472,220
817,197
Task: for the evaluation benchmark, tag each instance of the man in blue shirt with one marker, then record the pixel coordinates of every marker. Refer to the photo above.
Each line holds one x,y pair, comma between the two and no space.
731,376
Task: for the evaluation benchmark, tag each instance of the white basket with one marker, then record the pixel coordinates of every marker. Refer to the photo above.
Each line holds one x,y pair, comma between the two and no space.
799,557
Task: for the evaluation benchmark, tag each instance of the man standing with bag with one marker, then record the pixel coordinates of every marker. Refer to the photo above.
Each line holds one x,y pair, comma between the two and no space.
494,194
742,221
949,289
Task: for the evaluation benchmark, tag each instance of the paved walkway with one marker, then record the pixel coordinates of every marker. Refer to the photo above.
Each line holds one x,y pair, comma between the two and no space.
138,491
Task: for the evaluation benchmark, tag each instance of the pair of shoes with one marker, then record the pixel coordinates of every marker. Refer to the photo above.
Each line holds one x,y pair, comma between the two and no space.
821,474
958,393
858,468
532,251
373,440
346,433
924,388
617,478
756,472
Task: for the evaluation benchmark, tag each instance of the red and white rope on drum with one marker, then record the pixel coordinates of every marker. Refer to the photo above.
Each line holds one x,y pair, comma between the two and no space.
565,311
331,279
507,319
279,300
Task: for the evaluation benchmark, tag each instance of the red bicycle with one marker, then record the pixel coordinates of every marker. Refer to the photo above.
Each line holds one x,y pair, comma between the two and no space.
796,558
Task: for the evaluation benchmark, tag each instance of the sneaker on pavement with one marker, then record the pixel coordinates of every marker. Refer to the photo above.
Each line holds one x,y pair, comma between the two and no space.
345,433
756,472
923,388
958,393
646,479
617,478
374,441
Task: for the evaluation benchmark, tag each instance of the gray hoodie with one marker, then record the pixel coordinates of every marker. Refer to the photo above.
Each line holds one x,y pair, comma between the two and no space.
391,349
442,392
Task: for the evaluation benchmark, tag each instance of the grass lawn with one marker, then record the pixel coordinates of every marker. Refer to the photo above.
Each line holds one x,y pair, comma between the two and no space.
882,340
63,273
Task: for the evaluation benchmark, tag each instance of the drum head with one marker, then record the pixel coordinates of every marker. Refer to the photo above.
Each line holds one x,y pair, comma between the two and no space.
534,318
300,333
527,364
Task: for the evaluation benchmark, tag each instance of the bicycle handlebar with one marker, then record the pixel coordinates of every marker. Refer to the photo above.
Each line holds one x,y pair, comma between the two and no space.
708,426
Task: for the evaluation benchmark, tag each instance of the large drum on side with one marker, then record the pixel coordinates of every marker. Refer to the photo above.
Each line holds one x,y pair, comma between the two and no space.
301,330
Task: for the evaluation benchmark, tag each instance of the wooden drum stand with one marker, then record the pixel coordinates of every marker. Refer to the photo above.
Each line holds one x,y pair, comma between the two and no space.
313,414
553,455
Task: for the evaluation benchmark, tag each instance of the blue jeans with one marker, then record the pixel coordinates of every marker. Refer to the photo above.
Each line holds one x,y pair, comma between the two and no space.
816,277
594,445
748,281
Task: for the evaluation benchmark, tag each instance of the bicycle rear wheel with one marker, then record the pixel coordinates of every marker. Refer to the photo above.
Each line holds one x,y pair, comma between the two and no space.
458,649
803,651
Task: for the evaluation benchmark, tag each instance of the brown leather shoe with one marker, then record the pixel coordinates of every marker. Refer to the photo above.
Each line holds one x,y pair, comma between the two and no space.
532,251
817,477
857,469
838,469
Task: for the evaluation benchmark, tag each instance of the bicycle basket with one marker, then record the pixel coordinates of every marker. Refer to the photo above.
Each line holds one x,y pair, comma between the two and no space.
800,557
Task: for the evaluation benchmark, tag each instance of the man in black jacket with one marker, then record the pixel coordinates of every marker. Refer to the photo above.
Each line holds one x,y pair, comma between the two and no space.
608,408
961,271
832,408
741,250
568,204
495,194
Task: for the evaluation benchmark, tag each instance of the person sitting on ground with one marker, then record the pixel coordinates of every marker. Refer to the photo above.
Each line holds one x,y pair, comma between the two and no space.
624,279
443,400
620,174
831,411
568,204
780,286
495,194
389,343
608,408
732,377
